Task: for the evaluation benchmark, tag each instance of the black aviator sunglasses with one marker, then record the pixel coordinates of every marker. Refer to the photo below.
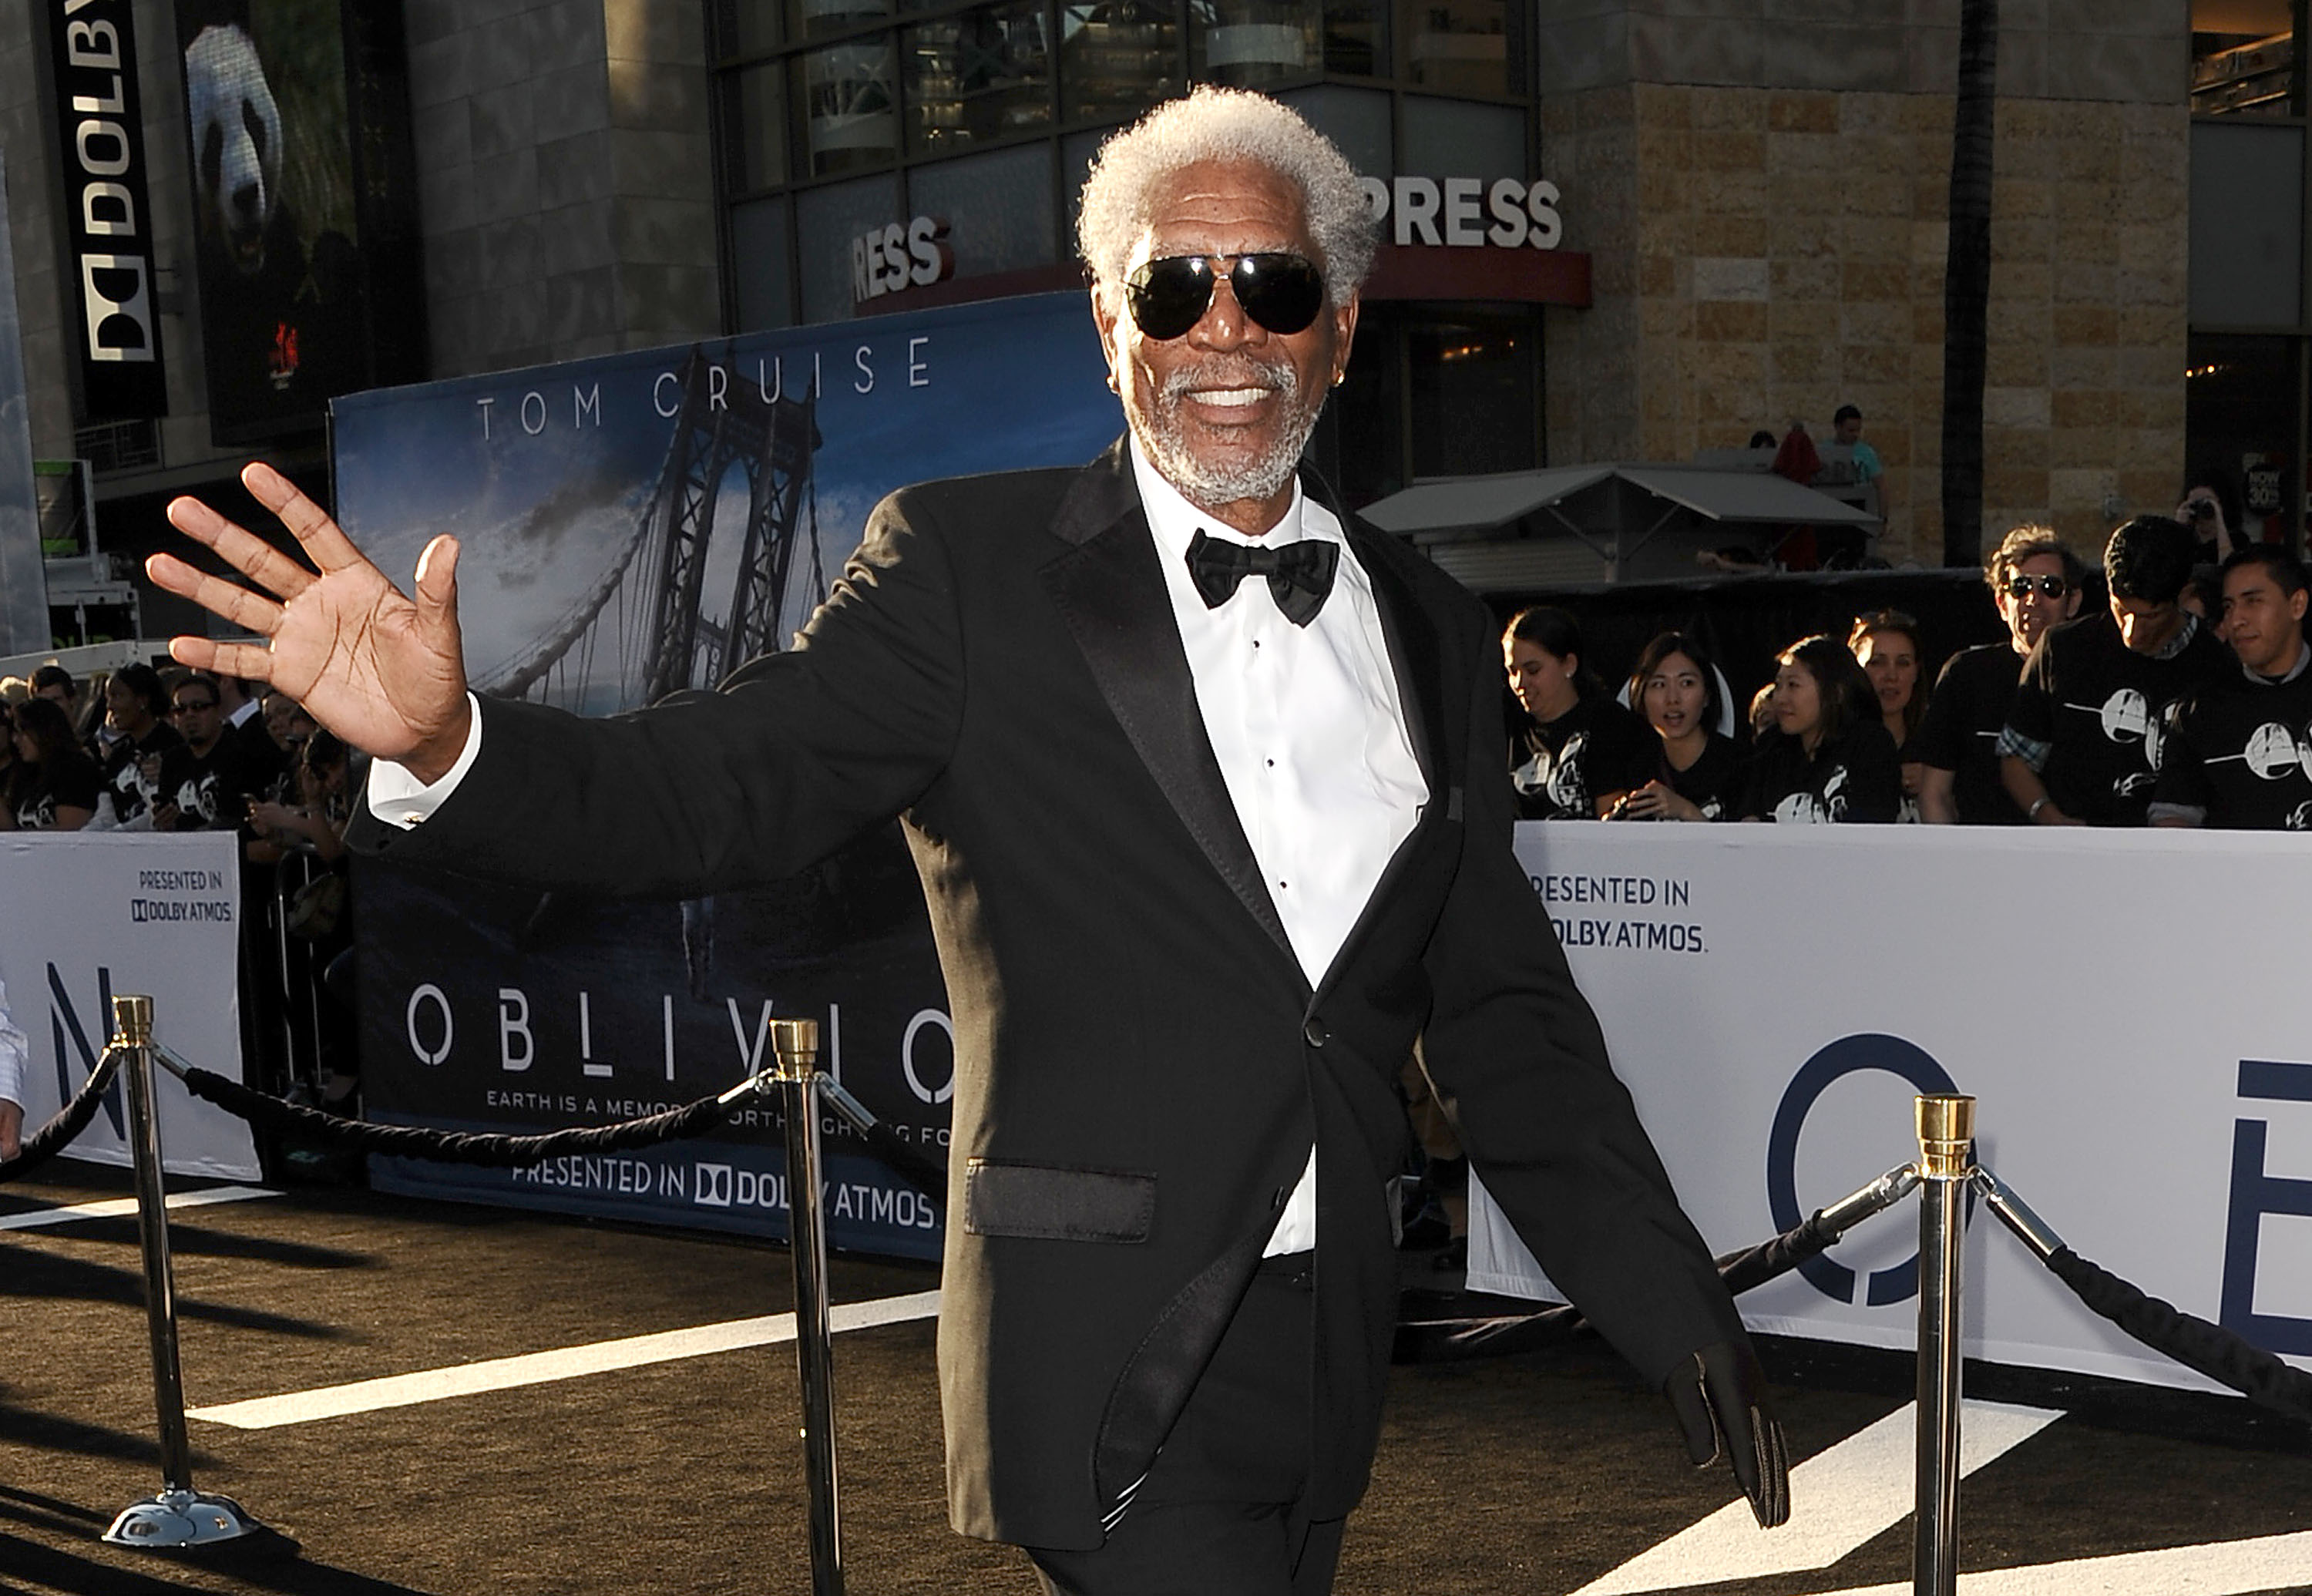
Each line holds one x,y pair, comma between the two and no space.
2020,586
1281,292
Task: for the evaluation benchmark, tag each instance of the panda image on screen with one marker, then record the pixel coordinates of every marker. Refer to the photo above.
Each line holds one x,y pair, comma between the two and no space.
281,291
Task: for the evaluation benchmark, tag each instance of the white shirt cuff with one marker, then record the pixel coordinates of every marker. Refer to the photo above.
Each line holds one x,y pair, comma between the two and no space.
401,800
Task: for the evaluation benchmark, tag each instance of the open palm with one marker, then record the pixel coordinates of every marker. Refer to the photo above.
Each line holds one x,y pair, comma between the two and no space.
383,670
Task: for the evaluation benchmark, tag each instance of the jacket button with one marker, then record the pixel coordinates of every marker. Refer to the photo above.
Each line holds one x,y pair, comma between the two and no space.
1314,1032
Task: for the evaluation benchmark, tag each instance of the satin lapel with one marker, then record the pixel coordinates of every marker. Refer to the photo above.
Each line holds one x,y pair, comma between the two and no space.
1110,590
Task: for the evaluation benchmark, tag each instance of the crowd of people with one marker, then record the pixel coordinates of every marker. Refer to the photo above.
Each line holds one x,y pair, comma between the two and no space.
2182,700
173,749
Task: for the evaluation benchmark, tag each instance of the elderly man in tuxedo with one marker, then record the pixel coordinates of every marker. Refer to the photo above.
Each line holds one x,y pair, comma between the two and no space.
1205,781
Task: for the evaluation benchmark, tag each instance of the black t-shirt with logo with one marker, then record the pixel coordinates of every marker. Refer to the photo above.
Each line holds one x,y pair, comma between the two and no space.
1961,731
2241,750
1854,778
68,780
1559,768
2105,709
210,790
1714,781
130,792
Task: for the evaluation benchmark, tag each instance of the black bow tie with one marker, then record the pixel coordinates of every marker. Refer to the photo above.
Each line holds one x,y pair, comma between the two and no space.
1299,574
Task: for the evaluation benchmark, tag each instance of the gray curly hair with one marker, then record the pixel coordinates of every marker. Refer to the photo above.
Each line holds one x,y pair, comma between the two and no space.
1215,124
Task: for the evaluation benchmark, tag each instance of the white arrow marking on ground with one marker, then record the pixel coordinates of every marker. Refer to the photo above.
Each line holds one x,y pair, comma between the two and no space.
1839,1499
114,1207
2224,1568
565,1363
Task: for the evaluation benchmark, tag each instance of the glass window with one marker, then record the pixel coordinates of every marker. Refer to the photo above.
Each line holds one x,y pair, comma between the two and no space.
2246,226
827,221
1453,138
1474,376
762,276
1356,37
2244,58
850,106
817,19
2240,433
1465,47
976,77
1250,42
998,208
1117,57
755,127
1076,151
743,28
1356,119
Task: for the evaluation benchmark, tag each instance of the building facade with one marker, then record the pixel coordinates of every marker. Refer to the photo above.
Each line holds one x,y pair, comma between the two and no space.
1613,229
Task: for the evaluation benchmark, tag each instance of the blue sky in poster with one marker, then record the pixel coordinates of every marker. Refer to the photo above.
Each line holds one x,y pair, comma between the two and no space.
547,475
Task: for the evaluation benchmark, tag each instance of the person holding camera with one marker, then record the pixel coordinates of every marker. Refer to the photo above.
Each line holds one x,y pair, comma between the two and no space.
2203,513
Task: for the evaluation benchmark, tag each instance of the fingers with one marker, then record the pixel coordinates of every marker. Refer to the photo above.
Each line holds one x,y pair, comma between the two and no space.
244,551
249,611
437,590
1689,1401
331,549
251,661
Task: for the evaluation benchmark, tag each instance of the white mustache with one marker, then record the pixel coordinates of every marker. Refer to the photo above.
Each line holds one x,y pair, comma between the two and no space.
1279,378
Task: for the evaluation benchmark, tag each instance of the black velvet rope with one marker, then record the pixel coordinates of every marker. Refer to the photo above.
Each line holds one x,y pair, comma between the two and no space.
2194,1343
1446,1340
455,1146
70,1120
923,1167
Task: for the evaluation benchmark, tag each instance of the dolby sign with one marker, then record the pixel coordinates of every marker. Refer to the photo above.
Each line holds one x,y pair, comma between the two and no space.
106,216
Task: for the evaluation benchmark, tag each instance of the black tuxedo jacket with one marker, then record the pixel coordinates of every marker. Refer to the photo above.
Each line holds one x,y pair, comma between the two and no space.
1141,1062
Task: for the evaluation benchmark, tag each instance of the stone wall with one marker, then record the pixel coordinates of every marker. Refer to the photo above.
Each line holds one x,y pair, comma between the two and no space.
1766,251
565,181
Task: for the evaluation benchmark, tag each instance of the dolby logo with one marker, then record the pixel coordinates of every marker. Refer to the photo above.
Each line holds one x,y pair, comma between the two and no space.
711,1185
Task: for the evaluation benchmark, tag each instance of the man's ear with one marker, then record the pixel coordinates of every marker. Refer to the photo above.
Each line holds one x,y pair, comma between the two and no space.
1104,314
2298,601
1345,335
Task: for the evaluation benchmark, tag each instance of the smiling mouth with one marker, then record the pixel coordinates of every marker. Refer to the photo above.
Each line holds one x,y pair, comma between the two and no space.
1230,398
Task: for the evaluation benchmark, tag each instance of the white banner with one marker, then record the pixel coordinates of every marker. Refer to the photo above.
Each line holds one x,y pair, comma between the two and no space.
85,915
2127,1008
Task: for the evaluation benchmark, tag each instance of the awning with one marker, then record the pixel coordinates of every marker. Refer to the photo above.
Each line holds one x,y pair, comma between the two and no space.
1487,503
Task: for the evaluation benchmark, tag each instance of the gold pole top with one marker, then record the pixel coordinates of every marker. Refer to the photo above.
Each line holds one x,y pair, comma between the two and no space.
132,1022
795,1043
1946,1124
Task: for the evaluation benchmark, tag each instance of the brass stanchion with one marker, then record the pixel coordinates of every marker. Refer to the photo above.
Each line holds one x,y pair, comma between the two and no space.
1946,1128
795,1044
179,1516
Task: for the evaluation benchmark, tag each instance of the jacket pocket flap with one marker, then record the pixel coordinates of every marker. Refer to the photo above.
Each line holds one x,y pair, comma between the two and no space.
1038,1201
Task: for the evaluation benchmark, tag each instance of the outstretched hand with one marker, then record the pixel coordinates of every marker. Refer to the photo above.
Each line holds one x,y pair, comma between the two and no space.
1720,1397
381,669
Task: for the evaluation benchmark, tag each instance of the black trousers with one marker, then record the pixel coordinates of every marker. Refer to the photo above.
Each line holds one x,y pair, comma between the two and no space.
1216,1515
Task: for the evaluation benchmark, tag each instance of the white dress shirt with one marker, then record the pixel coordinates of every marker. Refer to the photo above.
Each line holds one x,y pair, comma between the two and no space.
1310,735
1304,721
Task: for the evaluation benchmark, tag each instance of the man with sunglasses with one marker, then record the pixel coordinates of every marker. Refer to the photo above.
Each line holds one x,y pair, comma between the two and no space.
1205,857
208,786
2084,735
2035,581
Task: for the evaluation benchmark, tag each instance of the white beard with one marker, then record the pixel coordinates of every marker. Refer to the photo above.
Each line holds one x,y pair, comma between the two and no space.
1205,483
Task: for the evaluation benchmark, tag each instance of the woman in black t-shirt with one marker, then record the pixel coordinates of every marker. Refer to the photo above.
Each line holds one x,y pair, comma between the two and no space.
1829,758
1581,751
53,786
1701,774
1885,645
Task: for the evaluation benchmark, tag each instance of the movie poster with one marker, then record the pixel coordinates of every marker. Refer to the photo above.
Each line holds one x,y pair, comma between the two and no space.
284,267
632,525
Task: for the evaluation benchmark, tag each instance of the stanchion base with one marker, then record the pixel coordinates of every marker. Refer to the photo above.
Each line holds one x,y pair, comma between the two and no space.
175,1519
